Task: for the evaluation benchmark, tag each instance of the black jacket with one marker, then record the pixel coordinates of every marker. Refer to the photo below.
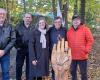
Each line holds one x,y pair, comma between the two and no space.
22,35
7,37
36,52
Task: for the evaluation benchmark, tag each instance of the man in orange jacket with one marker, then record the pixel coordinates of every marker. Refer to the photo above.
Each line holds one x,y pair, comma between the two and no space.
80,41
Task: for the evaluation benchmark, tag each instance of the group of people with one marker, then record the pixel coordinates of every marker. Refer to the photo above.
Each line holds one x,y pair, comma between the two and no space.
41,46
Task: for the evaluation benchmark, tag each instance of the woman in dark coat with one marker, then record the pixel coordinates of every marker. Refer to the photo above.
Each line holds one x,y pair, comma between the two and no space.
39,52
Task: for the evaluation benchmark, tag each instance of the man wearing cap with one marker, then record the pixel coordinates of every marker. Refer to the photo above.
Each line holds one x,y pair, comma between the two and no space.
80,41
7,40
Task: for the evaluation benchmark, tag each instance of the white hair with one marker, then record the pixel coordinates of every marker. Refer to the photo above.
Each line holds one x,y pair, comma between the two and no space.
3,11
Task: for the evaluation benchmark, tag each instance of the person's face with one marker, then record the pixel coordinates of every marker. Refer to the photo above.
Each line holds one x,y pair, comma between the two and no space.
42,24
57,23
27,18
2,17
76,22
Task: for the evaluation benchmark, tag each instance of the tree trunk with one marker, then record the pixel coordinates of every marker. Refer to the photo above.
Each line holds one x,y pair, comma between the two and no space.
75,8
60,4
82,10
24,4
65,14
7,8
54,8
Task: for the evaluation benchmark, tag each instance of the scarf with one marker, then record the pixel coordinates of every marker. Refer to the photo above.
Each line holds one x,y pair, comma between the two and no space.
42,37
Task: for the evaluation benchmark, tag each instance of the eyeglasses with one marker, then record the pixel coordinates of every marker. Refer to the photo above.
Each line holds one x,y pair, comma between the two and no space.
57,22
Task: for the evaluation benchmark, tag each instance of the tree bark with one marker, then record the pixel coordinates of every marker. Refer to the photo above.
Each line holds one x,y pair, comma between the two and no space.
54,8
7,8
24,5
65,14
75,8
60,4
82,10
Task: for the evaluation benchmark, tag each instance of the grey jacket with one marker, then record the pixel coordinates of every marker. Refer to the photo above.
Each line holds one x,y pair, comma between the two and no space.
7,37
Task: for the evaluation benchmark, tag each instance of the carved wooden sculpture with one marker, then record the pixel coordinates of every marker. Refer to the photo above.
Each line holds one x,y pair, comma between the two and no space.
61,60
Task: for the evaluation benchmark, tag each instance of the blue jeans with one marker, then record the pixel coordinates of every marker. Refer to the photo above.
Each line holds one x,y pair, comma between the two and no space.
5,63
83,69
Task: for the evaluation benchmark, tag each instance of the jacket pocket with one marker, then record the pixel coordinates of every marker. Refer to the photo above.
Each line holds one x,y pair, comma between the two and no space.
83,49
83,52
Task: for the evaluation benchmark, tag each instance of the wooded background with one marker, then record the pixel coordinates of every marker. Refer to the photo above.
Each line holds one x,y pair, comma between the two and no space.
89,10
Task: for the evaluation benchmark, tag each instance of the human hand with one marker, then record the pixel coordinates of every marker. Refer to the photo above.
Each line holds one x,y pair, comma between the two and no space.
34,62
61,53
2,53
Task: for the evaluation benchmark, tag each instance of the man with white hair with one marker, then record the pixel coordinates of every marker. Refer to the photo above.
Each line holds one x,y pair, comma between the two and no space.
7,40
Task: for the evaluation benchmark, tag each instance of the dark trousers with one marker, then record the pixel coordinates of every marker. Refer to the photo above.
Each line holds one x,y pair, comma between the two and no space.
37,78
83,69
5,64
20,58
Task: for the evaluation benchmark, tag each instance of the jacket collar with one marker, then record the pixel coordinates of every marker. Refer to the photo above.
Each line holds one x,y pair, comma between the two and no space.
77,27
5,24
23,25
57,29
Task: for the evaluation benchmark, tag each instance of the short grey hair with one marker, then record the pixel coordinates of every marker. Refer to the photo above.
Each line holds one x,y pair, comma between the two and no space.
27,13
2,10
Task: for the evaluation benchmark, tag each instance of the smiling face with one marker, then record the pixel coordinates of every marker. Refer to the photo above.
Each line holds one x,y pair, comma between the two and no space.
76,22
58,23
42,24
